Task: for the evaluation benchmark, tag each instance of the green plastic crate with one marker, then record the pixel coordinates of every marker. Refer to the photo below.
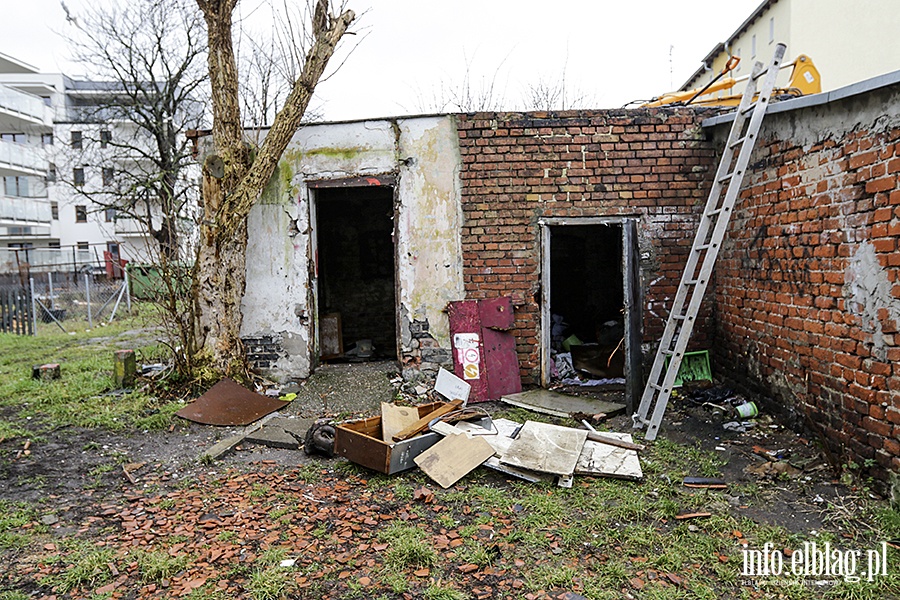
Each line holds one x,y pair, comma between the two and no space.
694,367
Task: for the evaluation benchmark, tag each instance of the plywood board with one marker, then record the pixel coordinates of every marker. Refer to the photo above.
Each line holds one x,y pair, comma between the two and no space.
453,458
330,336
609,461
546,448
561,405
395,419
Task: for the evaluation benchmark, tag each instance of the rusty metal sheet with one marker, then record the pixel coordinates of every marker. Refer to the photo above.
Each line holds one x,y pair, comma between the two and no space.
501,363
497,313
229,403
468,352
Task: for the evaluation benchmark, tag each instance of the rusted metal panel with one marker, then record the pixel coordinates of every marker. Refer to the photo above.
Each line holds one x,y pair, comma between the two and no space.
497,313
468,353
501,363
633,315
482,356
229,403
386,179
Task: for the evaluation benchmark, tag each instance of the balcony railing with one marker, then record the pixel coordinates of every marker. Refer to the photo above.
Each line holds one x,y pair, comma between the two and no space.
25,106
19,159
24,211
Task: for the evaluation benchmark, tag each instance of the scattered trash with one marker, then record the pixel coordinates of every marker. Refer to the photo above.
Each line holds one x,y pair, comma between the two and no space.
738,427
320,439
288,562
705,482
772,470
153,370
693,515
747,410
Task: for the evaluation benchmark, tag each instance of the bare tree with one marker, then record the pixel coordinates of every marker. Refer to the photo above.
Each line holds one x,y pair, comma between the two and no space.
236,175
556,92
472,93
144,62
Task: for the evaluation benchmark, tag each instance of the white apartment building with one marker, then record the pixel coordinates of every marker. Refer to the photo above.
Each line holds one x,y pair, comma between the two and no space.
53,146
847,41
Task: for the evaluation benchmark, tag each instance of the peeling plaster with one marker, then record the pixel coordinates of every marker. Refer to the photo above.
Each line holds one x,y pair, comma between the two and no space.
868,291
279,301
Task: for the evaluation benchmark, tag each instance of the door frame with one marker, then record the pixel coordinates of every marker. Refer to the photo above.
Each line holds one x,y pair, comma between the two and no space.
312,186
631,288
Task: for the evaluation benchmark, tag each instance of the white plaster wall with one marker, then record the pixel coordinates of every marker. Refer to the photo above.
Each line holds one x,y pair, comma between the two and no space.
429,245
424,152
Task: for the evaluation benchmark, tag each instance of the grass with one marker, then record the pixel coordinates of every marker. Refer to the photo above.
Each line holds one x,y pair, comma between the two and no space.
81,396
408,548
86,566
14,516
157,565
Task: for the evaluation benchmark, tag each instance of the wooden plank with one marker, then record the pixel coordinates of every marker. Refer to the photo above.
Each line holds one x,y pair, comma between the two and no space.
395,419
607,438
605,460
546,448
422,423
453,458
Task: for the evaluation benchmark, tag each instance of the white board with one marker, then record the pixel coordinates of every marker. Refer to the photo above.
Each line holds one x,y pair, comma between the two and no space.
451,387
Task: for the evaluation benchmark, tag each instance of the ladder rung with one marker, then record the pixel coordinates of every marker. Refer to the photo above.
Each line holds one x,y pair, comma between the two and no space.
713,213
725,178
705,247
694,281
682,317
740,141
655,387
750,108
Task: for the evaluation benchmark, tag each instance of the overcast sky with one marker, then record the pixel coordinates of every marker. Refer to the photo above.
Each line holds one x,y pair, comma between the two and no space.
411,52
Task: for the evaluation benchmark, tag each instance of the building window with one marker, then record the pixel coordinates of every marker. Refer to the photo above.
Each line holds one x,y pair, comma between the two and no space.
47,100
16,187
105,138
76,140
53,244
83,247
109,215
107,176
78,176
81,214
47,139
54,211
16,138
51,173
771,29
753,46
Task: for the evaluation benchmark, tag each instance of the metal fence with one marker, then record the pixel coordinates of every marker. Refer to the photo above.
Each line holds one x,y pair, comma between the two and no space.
79,298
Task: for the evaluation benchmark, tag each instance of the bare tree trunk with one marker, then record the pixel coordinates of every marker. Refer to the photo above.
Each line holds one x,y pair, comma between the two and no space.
221,276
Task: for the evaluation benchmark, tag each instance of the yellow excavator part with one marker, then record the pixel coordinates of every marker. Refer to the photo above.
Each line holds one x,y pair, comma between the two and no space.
805,80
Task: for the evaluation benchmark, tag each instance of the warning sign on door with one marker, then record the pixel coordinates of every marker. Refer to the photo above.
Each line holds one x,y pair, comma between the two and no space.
468,354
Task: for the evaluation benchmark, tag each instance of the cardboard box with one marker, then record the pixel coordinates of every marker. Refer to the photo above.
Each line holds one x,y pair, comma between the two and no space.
360,442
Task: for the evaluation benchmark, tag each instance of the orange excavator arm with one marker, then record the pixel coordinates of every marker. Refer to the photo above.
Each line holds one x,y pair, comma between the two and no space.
805,80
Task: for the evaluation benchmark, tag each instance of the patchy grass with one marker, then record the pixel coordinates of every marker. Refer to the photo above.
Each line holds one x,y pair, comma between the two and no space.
14,518
158,565
85,566
82,396
409,548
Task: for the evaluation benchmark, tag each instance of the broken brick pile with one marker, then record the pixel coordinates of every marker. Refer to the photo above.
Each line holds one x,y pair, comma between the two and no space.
807,291
654,164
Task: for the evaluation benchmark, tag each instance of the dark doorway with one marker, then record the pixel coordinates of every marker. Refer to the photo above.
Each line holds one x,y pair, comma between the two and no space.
356,286
587,298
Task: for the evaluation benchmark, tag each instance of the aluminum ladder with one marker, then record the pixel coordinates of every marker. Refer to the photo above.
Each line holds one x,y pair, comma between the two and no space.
710,233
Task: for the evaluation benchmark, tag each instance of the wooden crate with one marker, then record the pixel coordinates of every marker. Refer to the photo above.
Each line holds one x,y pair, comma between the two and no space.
360,442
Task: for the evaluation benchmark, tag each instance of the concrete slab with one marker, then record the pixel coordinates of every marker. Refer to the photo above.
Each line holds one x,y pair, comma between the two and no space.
273,437
561,405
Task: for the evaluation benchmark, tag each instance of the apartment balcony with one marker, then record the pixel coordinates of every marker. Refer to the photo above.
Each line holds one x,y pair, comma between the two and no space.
129,228
24,217
20,111
18,160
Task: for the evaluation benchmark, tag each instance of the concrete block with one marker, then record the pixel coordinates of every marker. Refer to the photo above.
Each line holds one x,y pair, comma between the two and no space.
46,372
124,368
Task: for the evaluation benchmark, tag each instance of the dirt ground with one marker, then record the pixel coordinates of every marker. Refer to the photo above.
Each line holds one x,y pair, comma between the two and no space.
78,478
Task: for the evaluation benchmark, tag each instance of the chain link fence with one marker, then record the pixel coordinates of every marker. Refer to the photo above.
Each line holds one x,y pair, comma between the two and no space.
69,294
81,297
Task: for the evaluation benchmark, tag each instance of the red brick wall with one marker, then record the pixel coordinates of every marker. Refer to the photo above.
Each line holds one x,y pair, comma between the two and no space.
519,167
807,296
